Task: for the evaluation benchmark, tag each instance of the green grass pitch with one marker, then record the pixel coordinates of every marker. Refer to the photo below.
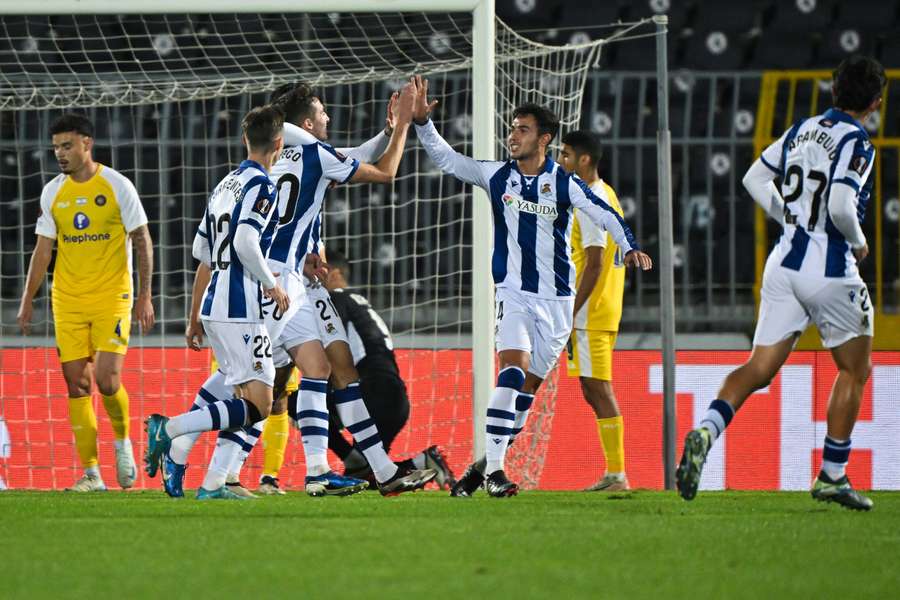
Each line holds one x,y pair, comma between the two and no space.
426,545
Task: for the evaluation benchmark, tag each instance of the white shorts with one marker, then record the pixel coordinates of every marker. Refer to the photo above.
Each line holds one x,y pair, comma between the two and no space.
316,319
839,306
243,350
276,321
535,325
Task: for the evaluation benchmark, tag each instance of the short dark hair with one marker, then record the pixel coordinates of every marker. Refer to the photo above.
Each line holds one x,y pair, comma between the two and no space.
76,122
858,81
547,122
296,100
262,126
585,142
337,260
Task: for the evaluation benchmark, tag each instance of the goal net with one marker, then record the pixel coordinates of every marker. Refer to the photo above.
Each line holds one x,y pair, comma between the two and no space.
166,93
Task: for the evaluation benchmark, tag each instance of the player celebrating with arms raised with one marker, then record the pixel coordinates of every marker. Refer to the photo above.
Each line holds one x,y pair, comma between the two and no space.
94,214
532,200
824,164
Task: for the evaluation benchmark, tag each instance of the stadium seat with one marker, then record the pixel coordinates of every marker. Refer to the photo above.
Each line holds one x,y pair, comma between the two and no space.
877,15
727,16
773,50
795,17
840,42
714,49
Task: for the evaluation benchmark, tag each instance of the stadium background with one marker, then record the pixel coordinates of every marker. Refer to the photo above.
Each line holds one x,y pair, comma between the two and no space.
739,74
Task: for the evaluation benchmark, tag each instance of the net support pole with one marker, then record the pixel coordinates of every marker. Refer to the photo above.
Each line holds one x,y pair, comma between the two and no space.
666,271
483,100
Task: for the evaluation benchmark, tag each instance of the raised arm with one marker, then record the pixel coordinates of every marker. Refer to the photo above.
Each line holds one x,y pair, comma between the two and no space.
143,305
37,268
385,169
444,156
603,215
373,149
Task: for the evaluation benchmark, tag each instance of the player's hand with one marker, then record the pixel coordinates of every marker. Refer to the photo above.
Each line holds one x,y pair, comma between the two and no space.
193,335
24,317
315,269
143,313
422,108
391,119
405,102
636,258
280,297
861,253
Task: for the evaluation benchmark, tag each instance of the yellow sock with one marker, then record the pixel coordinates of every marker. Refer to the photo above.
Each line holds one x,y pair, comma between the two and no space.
275,439
84,426
612,438
117,409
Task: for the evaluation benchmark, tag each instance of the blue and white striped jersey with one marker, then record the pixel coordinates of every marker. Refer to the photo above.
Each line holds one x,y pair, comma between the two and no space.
302,175
533,217
244,198
812,156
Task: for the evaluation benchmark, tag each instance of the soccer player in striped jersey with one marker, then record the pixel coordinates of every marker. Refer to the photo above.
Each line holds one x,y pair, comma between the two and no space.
93,213
232,241
233,446
824,165
600,273
532,199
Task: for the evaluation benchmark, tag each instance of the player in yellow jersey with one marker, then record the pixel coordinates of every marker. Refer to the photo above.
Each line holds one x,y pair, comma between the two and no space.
600,275
94,214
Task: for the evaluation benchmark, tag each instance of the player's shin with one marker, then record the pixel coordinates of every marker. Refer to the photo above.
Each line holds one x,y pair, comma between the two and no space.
717,418
225,414
523,407
228,446
252,434
84,427
501,416
212,390
312,420
116,407
275,439
355,417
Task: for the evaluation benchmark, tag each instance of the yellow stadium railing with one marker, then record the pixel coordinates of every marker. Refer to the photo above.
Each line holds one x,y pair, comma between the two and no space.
786,96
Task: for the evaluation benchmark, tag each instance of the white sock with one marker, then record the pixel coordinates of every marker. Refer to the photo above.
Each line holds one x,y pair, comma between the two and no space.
225,414
312,419
228,444
251,438
212,390
523,407
356,419
122,444
93,471
501,417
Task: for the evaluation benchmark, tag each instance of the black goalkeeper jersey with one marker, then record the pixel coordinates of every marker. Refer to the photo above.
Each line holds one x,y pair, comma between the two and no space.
370,339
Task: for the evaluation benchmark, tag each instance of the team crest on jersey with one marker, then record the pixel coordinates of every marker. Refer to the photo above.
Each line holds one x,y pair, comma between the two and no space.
258,367
80,201
81,221
859,164
100,200
546,189
246,339
330,328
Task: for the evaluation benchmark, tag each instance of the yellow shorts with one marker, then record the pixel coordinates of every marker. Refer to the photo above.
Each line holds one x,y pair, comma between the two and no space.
83,334
590,354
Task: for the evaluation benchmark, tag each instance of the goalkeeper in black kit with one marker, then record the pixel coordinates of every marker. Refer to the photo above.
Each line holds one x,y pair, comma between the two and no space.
383,390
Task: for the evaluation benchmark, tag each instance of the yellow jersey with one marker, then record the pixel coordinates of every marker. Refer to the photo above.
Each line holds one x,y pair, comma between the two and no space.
603,309
90,222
